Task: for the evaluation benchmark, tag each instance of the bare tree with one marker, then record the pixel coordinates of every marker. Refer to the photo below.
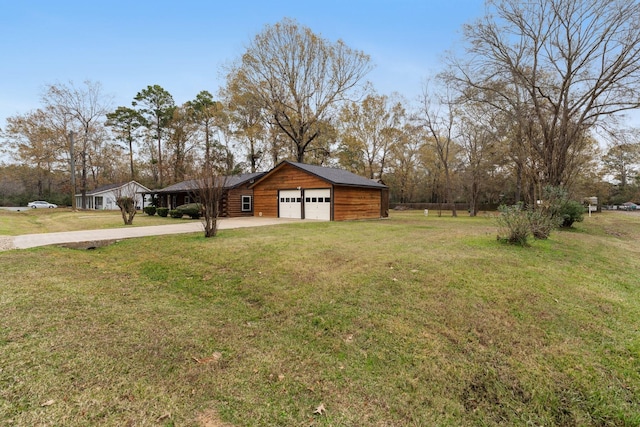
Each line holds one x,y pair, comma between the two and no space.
37,144
126,200
479,134
246,117
438,116
181,142
623,157
577,62
368,129
299,78
87,106
404,160
209,193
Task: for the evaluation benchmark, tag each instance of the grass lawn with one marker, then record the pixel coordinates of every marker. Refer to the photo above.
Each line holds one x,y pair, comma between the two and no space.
32,221
410,321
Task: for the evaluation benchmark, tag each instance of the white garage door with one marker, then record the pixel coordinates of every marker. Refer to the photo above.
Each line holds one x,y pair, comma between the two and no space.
317,204
290,204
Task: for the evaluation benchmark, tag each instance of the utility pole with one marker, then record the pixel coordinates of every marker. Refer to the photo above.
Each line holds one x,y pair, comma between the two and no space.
73,172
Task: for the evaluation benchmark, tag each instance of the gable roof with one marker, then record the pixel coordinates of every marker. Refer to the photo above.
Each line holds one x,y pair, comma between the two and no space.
332,175
231,181
109,187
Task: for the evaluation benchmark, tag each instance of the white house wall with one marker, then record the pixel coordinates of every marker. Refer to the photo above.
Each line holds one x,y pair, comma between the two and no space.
109,199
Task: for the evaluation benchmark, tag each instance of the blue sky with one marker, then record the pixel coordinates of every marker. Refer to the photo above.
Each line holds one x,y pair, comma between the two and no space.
181,46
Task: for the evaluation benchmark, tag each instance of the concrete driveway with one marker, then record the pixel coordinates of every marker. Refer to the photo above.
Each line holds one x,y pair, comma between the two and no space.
43,239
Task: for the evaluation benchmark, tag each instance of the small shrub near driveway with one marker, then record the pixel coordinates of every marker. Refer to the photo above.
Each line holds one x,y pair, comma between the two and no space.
193,210
163,212
175,213
150,210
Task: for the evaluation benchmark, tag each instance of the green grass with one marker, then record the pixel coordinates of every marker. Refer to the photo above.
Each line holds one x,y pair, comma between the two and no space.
408,321
32,221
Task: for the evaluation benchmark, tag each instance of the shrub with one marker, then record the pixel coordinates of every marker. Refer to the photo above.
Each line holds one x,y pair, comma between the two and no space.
564,211
513,225
193,210
571,212
163,212
175,213
126,204
150,210
541,224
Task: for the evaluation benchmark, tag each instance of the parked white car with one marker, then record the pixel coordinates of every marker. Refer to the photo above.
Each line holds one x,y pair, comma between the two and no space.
41,204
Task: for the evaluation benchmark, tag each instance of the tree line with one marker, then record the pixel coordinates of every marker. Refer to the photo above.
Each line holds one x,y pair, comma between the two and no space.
534,101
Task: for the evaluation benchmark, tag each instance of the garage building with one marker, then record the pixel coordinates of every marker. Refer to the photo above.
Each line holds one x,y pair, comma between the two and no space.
298,190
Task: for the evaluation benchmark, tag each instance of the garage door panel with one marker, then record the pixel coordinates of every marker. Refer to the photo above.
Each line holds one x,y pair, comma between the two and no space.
290,204
317,204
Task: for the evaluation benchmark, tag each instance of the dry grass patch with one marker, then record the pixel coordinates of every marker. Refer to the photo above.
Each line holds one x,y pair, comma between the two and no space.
61,219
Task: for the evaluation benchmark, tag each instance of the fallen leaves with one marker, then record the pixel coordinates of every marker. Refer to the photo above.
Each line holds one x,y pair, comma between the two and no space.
320,410
164,417
213,358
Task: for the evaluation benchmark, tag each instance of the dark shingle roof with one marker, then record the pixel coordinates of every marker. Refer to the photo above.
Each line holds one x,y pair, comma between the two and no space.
337,176
232,181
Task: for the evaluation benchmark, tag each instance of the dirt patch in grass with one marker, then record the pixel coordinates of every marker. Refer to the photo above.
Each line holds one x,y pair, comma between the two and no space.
88,245
210,418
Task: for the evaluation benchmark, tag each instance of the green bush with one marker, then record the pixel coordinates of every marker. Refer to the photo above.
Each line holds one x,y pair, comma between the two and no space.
193,210
150,210
564,211
570,212
513,225
175,213
163,212
516,224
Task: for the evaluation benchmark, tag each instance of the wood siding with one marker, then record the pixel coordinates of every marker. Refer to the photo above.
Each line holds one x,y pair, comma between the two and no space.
287,178
348,203
232,202
384,207
356,203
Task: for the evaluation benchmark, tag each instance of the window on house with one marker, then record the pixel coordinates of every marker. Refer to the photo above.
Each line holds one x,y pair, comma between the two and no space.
246,203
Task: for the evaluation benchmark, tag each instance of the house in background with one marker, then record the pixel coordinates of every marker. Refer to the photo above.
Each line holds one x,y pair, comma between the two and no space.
298,190
237,198
104,198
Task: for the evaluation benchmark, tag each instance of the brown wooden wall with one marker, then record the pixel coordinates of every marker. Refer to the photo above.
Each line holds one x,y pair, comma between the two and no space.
232,202
384,207
349,203
356,203
265,193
